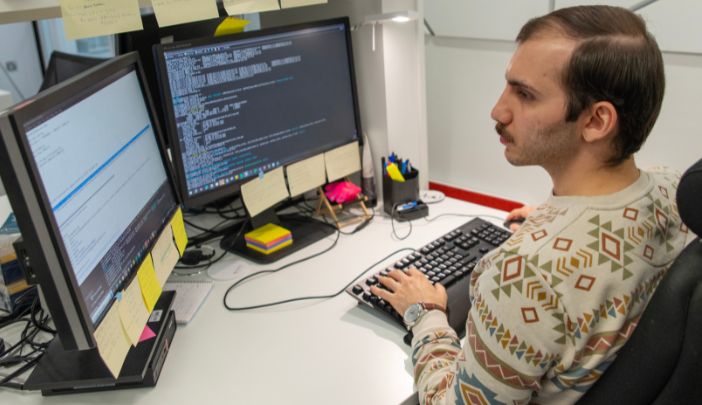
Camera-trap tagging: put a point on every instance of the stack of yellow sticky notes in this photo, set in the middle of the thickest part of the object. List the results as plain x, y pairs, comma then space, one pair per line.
268, 239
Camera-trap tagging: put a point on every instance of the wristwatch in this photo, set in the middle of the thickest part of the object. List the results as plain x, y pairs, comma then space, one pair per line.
414, 312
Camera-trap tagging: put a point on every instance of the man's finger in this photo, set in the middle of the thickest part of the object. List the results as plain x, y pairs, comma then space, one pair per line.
388, 282
384, 294
413, 271
397, 275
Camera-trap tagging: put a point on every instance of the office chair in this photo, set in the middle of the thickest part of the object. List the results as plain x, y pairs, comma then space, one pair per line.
662, 361
65, 65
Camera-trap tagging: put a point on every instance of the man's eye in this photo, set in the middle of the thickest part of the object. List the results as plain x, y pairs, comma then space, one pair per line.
524, 95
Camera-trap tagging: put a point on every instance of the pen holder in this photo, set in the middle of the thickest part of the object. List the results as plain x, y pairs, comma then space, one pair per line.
397, 192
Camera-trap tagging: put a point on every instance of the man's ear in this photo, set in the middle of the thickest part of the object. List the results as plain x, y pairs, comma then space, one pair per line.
600, 121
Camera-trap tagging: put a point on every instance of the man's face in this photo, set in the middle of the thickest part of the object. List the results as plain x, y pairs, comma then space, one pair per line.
530, 113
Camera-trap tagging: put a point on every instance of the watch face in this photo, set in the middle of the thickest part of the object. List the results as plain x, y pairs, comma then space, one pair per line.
411, 314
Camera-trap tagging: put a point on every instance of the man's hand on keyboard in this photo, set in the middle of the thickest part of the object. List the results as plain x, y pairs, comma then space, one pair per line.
405, 289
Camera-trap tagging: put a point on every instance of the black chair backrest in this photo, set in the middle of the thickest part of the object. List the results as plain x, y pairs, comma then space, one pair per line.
63, 66
662, 361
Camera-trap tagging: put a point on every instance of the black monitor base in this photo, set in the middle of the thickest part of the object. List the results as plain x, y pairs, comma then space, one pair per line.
68, 372
305, 231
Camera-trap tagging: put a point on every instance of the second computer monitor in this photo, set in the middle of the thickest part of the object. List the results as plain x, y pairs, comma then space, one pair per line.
244, 104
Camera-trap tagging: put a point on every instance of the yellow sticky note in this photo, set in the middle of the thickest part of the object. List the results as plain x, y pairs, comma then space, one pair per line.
172, 12
342, 161
112, 343
165, 255
179, 234
132, 311
260, 194
92, 18
298, 3
150, 288
306, 175
231, 25
234, 7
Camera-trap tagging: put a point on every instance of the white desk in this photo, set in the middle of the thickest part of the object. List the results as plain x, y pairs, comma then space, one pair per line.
316, 352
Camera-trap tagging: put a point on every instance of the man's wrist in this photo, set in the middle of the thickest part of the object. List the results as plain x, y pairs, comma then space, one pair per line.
414, 313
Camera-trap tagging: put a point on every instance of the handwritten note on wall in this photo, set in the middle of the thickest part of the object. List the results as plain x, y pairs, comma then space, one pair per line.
299, 3
91, 18
172, 12
235, 7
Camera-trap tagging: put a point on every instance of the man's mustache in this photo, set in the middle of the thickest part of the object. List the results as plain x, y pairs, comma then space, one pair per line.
500, 129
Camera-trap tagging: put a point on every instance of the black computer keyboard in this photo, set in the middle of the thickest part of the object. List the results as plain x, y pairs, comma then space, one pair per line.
448, 260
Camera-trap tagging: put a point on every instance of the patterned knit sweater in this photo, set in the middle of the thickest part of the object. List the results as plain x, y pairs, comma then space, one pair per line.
552, 306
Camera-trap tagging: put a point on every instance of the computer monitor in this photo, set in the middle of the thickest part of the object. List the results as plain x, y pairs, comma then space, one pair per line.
63, 66
143, 41
89, 183
244, 104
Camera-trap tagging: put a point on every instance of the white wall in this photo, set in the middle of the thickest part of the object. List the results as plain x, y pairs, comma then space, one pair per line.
466, 76
18, 45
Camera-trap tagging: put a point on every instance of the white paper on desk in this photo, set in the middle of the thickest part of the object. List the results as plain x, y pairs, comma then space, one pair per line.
172, 12
190, 295
165, 255
91, 18
262, 193
235, 7
342, 161
298, 3
306, 174
112, 343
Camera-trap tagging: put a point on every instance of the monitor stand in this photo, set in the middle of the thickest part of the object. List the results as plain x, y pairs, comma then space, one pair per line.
72, 371
305, 231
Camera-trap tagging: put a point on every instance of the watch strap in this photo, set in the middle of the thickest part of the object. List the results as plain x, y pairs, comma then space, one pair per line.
429, 306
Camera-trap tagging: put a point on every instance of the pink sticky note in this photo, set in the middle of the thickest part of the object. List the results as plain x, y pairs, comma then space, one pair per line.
146, 334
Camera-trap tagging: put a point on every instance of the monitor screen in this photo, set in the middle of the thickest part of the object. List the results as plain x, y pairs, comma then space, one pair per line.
93, 158
248, 103
143, 41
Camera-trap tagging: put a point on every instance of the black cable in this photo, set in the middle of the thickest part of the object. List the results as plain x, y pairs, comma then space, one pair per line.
5, 382
226, 294
393, 212
40, 325
209, 263
312, 297
463, 215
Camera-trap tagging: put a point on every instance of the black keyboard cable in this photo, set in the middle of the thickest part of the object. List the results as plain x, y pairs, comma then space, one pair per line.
305, 298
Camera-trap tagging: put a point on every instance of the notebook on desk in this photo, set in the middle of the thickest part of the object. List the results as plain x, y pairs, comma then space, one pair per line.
189, 297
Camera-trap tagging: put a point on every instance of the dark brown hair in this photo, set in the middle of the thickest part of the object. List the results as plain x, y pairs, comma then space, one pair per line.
616, 60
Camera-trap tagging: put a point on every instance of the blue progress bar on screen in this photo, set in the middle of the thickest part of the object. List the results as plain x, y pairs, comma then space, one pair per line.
99, 169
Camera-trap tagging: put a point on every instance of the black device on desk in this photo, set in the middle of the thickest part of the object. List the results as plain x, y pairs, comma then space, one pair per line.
241, 105
89, 183
447, 260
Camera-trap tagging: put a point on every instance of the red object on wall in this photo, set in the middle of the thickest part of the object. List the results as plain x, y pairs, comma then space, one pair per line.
476, 198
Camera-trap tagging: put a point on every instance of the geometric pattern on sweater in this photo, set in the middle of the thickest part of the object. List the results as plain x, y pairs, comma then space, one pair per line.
553, 305
496, 367
471, 391
508, 340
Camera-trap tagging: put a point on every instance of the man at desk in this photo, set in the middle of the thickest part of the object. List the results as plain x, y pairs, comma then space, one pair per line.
552, 306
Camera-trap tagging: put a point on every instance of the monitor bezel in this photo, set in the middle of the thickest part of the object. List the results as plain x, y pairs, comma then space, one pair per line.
26, 111
232, 189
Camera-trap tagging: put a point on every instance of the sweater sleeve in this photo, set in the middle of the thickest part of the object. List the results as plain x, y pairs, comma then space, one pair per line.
510, 341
